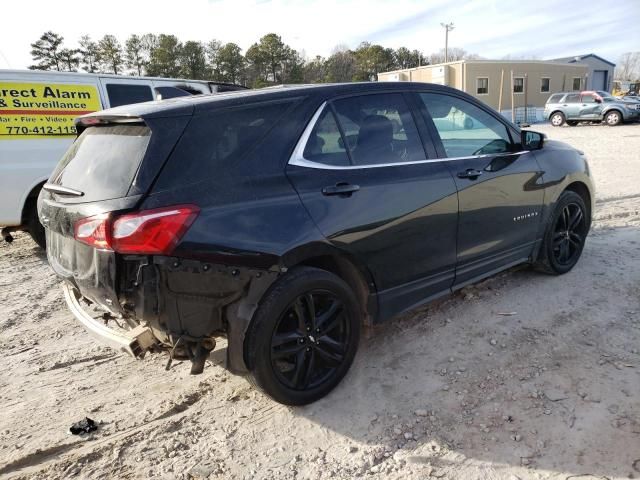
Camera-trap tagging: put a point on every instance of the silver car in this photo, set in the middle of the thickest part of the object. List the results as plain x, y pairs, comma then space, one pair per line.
589, 106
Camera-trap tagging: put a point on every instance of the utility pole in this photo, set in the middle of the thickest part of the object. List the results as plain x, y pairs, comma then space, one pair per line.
447, 28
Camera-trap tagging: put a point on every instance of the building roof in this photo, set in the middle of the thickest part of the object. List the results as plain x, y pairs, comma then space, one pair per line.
577, 58
482, 60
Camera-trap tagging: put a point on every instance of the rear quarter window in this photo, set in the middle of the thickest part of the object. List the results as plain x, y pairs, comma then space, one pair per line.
555, 98
216, 139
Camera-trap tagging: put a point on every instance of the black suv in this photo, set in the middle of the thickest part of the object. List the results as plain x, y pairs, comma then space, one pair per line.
285, 219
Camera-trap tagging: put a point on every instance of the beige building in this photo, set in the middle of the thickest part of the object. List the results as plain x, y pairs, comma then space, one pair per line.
533, 81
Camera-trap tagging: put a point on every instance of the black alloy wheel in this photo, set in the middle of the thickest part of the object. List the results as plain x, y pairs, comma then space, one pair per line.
310, 340
304, 336
566, 234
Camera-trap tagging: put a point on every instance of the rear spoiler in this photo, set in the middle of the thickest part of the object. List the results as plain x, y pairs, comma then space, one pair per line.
92, 120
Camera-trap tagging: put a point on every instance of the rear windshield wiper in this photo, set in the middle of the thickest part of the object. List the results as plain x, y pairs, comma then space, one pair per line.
60, 190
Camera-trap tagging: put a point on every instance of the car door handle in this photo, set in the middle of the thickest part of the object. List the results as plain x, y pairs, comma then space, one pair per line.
471, 173
341, 188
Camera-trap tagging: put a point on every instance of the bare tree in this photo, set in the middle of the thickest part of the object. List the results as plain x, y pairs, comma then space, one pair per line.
628, 67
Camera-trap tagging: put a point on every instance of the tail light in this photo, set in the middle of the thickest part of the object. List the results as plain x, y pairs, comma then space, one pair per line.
152, 232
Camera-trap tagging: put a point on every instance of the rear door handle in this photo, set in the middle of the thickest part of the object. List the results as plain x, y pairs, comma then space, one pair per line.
471, 173
341, 188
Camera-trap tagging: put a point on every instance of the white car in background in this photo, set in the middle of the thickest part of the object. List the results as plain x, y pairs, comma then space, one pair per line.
37, 110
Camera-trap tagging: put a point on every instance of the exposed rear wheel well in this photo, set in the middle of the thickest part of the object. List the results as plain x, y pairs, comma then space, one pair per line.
582, 190
348, 272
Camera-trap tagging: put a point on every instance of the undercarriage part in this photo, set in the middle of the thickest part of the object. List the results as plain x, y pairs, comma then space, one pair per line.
200, 354
196, 351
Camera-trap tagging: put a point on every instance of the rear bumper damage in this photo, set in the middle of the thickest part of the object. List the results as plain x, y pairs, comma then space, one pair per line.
135, 342
178, 305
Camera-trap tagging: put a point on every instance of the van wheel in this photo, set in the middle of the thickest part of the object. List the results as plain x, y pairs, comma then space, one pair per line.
557, 119
565, 236
303, 337
33, 226
613, 118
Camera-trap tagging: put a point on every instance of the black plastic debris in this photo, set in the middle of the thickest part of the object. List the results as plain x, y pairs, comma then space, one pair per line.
86, 425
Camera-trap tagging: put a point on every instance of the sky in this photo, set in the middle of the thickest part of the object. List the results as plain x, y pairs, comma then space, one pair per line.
490, 28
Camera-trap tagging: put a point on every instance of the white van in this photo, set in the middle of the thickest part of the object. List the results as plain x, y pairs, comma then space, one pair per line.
37, 110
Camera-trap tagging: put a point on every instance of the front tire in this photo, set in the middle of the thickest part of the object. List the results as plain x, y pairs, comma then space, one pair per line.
303, 337
565, 235
613, 118
557, 119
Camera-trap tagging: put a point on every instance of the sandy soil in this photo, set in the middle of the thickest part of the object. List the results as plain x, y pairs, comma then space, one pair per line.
454, 390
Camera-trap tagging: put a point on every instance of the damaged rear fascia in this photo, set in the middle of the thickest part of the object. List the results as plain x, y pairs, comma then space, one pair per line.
194, 300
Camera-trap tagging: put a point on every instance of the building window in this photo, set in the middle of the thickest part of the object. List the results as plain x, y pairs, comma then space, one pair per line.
576, 83
518, 85
482, 85
544, 85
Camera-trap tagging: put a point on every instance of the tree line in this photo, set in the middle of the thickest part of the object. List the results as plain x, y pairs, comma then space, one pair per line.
268, 61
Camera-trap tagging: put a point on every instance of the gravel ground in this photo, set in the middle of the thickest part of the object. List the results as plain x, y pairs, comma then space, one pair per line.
524, 376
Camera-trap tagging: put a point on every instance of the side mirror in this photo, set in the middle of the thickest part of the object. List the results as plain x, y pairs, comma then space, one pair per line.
532, 140
598, 100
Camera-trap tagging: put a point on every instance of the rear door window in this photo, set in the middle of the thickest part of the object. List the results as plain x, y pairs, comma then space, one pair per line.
126, 94
379, 129
572, 98
465, 129
325, 144
103, 161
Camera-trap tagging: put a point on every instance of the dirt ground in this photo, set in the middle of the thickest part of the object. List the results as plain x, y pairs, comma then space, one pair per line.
525, 376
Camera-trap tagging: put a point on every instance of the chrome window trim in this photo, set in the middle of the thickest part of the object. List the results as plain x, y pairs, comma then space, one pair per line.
297, 157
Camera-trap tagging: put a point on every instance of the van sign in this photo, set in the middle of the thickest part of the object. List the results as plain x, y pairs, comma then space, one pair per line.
44, 109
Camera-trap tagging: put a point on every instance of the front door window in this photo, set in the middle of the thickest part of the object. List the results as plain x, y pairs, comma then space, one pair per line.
465, 129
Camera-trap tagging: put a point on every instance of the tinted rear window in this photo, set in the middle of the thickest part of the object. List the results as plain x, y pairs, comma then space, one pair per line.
103, 161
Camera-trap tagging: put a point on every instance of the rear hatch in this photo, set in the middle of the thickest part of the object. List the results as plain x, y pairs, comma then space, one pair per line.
107, 171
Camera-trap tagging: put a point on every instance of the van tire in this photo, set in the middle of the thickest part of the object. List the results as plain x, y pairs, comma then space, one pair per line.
32, 224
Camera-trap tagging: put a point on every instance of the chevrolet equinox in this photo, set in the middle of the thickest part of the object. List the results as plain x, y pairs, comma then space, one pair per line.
285, 219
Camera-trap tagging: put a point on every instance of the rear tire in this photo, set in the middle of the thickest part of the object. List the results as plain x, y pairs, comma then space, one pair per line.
557, 119
303, 337
565, 235
613, 118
